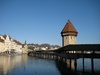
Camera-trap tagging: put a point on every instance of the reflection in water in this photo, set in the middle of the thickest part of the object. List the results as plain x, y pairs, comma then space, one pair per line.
24, 65
8, 63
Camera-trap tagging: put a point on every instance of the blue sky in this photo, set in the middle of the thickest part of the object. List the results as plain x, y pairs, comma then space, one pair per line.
41, 21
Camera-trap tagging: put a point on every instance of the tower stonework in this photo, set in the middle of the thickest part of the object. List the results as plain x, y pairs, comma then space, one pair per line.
69, 34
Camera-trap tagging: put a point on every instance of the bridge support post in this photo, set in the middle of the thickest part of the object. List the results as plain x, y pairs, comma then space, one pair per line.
83, 61
75, 64
70, 63
57, 58
92, 62
65, 61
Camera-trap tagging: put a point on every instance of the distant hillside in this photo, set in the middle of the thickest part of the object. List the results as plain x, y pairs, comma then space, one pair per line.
46, 46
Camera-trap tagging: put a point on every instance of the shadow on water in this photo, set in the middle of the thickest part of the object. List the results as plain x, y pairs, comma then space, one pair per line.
64, 70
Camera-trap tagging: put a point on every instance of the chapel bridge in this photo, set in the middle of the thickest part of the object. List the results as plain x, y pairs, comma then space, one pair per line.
70, 53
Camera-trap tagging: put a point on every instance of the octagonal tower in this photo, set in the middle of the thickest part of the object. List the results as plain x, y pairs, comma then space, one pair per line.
69, 34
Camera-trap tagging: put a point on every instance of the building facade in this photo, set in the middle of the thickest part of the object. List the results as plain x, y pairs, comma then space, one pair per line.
7, 44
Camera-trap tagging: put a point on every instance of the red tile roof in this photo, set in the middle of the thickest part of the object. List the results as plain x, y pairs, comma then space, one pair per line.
69, 28
9, 37
1, 40
4, 36
17, 42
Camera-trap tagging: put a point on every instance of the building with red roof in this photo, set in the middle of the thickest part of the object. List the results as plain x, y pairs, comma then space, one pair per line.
9, 44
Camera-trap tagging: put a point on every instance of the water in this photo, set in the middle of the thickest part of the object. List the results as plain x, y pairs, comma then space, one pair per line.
88, 65
25, 65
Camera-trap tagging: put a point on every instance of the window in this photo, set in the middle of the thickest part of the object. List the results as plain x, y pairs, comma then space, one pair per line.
71, 37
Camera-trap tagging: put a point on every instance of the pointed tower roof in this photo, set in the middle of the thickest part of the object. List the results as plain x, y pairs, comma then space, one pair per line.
25, 42
69, 28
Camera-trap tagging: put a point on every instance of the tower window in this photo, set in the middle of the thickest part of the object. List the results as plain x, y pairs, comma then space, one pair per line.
71, 37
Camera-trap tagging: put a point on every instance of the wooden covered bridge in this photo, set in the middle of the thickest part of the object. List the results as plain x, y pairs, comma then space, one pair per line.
70, 53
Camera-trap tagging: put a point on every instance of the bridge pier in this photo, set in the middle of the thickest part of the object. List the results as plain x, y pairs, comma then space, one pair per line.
83, 60
92, 62
75, 64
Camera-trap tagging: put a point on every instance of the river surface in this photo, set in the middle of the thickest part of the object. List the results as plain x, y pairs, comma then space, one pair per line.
25, 65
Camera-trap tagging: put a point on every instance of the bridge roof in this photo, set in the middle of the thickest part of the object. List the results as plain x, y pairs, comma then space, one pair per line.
80, 47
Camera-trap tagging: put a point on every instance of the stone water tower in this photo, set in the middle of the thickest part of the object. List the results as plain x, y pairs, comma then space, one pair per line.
69, 34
